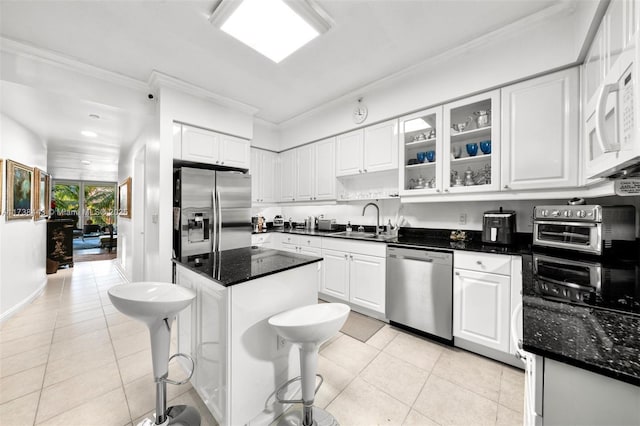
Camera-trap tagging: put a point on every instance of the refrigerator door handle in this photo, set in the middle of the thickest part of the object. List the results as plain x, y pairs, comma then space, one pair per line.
218, 219
214, 244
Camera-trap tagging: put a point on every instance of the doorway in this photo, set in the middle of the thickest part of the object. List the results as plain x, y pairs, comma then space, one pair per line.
92, 207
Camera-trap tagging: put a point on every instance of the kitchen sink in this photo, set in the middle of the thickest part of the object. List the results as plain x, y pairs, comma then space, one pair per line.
362, 235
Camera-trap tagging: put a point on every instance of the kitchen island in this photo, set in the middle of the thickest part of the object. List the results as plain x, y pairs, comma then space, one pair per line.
239, 359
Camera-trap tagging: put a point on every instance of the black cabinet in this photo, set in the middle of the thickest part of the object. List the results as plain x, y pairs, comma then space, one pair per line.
60, 241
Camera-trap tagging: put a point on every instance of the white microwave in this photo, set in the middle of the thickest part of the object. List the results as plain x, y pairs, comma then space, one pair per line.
612, 121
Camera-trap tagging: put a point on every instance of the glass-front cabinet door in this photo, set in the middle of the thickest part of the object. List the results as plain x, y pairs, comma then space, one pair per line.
471, 144
421, 152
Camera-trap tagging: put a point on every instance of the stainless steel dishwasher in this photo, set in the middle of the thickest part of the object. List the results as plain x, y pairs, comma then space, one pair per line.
419, 291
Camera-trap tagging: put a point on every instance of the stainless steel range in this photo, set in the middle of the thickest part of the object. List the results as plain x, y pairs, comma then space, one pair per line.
584, 228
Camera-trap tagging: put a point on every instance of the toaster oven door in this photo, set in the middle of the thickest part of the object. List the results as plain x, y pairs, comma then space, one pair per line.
578, 236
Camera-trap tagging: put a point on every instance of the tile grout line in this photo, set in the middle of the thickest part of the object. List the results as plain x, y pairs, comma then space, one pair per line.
44, 374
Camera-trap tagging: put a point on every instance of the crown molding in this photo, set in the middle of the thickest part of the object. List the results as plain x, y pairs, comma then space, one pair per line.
24, 50
158, 79
561, 8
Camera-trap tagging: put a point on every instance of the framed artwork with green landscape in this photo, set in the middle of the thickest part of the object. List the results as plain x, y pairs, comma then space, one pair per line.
19, 191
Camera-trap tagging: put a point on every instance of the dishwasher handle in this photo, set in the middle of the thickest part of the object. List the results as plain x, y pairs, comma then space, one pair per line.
422, 259
428, 256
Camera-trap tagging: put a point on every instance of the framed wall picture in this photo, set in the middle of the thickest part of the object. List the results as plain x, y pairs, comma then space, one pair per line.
42, 194
19, 191
124, 198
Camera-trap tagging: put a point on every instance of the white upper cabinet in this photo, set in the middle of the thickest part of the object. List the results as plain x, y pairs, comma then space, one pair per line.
206, 146
287, 175
540, 132
381, 147
372, 149
305, 173
471, 144
308, 173
263, 176
325, 169
349, 153
234, 152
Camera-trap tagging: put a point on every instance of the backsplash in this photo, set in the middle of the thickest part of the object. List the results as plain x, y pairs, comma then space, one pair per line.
428, 215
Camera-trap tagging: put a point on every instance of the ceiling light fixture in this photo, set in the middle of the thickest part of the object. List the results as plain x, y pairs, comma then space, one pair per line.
274, 28
89, 134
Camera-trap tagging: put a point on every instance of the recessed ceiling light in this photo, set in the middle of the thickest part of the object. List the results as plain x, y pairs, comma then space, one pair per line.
89, 134
94, 116
274, 28
85, 162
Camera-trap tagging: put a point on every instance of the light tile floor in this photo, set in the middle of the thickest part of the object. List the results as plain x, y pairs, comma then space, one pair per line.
70, 358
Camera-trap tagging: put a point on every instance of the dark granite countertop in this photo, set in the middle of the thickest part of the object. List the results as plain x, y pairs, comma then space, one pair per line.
428, 238
597, 339
230, 267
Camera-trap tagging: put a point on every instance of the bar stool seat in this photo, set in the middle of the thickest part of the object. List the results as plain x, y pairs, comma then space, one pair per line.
156, 304
308, 327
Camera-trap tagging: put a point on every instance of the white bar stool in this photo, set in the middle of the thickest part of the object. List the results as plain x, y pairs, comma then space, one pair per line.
309, 327
156, 304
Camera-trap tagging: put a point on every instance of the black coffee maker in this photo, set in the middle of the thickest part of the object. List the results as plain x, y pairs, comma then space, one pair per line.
499, 227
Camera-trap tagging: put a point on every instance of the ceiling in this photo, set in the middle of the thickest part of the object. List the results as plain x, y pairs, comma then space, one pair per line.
371, 39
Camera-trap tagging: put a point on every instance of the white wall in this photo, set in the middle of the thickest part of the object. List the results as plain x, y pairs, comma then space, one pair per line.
265, 135
507, 56
22, 242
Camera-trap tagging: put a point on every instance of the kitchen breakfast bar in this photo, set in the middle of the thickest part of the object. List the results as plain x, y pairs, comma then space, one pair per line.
239, 359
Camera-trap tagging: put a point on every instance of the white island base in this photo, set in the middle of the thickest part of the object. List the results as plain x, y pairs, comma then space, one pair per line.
239, 360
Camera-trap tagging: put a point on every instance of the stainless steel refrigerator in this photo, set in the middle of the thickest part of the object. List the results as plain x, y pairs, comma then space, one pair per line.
211, 211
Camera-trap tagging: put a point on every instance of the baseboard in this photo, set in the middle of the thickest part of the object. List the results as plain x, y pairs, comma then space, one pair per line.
17, 308
121, 270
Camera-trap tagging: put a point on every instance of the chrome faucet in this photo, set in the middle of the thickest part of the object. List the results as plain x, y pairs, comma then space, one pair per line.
377, 216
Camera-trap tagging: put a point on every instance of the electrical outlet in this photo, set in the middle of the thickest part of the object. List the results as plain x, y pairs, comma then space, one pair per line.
463, 219
280, 342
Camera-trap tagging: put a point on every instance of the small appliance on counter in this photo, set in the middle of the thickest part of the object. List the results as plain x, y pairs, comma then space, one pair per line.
499, 226
278, 221
586, 228
326, 224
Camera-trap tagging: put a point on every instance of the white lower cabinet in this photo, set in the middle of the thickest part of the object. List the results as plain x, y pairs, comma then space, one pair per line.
355, 272
481, 308
336, 274
262, 240
486, 291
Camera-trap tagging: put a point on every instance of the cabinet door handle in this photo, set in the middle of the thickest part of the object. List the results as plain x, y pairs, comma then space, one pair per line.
346, 257
359, 171
222, 162
458, 273
365, 170
437, 190
479, 262
351, 257
446, 190
506, 187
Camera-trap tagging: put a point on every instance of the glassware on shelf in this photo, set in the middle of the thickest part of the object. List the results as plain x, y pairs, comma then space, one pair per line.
468, 178
483, 118
421, 156
472, 149
485, 147
431, 156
